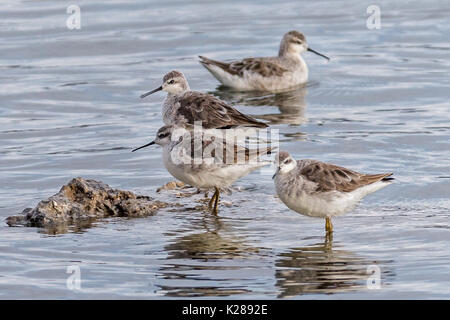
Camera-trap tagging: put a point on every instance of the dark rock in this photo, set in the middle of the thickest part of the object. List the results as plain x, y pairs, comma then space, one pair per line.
82, 200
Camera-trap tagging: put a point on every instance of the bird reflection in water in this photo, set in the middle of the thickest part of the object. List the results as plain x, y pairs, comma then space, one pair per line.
210, 244
199, 264
320, 268
291, 104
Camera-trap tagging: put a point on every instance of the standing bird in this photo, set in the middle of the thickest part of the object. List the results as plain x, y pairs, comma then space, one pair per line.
183, 107
206, 161
268, 73
323, 190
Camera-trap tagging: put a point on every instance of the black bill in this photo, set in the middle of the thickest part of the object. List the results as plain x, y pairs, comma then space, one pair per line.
148, 144
151, 92
313, 51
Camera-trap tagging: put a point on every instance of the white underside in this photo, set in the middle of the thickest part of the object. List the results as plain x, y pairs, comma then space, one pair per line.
328, 204
210, 176
254, 81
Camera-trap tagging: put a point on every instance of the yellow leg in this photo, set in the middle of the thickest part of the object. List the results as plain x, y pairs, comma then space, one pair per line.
213, 198
328, 225
328, 245
216, 203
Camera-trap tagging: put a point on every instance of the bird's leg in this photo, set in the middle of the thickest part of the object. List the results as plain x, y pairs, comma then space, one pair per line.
210, 203
328, 225
217, 201
328, 245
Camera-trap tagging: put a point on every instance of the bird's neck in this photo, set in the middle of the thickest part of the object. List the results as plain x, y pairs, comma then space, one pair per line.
291, 55
179, 92
294, 60
168, 108
288, 52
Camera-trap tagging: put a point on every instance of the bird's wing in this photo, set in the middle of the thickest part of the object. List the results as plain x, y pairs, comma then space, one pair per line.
262, 66
210, 62
213, 112
241, 155
329, 177
218, 150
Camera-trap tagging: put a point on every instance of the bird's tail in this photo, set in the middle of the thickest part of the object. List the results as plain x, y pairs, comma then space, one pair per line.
388, 177
207, 62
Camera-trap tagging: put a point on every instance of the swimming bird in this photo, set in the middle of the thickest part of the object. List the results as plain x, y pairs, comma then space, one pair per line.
286, 70
183, 107
319, 189
206, 161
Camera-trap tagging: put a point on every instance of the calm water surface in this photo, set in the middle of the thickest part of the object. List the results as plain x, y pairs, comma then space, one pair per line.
69, 106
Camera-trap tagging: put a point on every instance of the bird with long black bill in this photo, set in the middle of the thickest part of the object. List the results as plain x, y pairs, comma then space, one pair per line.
284, 71
206, 161
184, 107
323, 190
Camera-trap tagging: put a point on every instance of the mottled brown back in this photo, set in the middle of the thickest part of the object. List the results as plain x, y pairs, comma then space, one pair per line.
262, 66
213, 112
329, 177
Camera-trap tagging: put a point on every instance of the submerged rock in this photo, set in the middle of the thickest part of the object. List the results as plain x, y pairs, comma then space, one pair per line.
82, 200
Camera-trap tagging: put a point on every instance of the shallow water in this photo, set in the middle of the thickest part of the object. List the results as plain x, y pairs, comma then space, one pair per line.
69, 106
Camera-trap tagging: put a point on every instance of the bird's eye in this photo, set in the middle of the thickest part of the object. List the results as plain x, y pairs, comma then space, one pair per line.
171, 81
162, 135
287, 161
298, 42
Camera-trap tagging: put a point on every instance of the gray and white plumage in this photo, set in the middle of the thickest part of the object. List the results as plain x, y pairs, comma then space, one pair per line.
320, 189
286, 70
206, 161
183, 107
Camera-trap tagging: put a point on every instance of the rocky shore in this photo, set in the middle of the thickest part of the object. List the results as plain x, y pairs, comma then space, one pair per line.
81, 200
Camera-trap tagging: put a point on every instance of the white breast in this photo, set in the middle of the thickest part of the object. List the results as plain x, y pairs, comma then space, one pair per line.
208, 176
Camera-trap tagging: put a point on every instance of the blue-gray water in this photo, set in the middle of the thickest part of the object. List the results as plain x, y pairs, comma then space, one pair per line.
69, 106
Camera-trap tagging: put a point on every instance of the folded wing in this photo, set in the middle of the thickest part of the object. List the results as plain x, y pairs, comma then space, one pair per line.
329, 177
262, 66
213, 112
